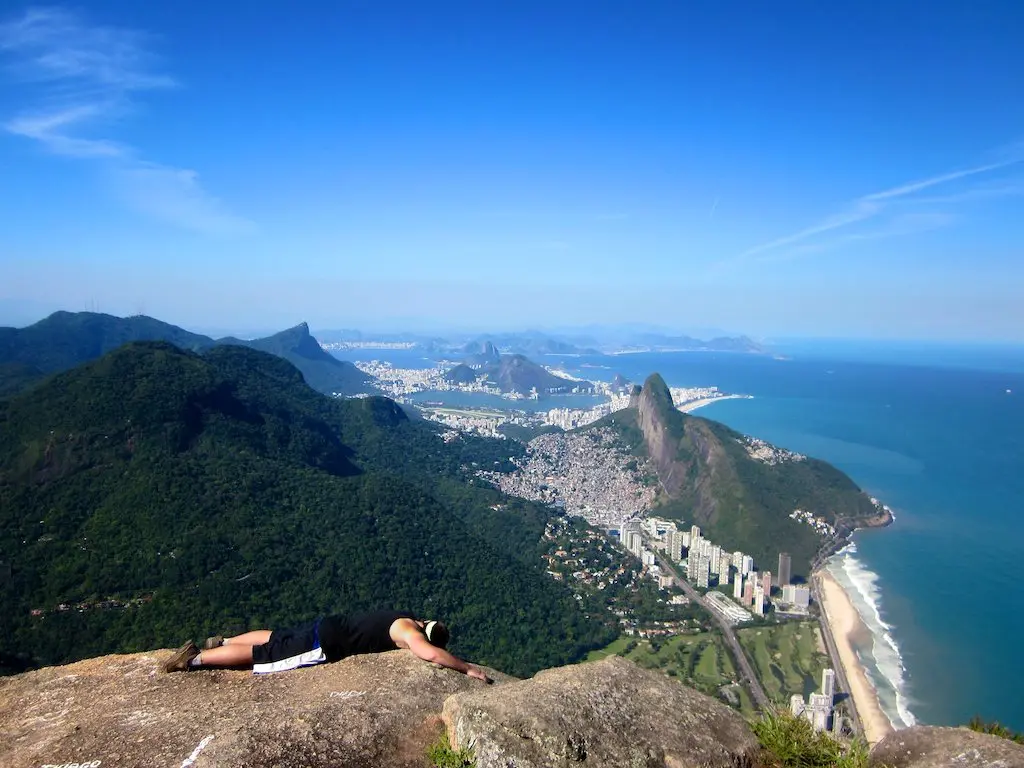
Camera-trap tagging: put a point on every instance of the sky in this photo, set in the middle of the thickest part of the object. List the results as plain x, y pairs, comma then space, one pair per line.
840, 169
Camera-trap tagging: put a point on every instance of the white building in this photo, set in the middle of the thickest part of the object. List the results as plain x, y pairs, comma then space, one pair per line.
737, 587
724, 562
818, 709
828, 684
715, 559
703, 571
796, 595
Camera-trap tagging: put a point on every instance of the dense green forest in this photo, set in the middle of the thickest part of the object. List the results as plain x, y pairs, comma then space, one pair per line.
157, 494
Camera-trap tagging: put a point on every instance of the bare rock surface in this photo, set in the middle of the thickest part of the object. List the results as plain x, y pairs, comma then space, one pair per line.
928, 747
606, 713
379, 710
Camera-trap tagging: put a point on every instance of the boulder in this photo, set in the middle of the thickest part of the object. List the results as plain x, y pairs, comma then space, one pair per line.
606, 713
928, 747
378, 710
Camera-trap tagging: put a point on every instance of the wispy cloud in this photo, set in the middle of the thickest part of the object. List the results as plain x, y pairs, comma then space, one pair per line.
81, 79
887, 210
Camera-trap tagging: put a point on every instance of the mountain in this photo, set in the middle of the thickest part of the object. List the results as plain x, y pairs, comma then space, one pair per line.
461, 374
515, 373
740, 493
155, 489
66, 339
656, 342
322, 371
531, 343
480, 353
621, 384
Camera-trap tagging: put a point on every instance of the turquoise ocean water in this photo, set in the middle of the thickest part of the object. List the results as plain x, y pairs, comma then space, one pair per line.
936, 433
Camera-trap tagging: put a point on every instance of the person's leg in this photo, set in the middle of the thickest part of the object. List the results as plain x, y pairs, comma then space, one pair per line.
234, 655
256, 637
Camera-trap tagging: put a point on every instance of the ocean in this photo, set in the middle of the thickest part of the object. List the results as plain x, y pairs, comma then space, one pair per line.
937, 433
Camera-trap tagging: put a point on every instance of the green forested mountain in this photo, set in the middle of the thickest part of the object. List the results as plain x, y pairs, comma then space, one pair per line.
156, 494
66, 339
708, 476
322, 371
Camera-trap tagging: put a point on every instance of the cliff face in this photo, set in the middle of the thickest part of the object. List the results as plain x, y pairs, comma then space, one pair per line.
742, 492
690, 460
384, 710
361, 712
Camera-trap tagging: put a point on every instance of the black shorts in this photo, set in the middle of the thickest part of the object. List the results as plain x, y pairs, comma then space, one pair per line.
288, 649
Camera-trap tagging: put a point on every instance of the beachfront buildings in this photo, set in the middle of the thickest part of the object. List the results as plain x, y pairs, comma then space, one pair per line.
708, 564
796, 596
818, 708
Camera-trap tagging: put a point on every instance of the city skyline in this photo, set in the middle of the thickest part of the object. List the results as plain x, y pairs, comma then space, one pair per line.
811, 171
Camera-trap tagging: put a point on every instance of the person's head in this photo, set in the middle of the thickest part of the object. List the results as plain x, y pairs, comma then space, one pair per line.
437, 633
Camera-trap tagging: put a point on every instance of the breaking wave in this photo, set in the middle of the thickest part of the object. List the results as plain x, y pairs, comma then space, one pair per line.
883, 663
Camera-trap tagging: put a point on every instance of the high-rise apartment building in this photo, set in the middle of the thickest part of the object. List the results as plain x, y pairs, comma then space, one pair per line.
785, 565
703, 571
737, 586
675, 545
796, 594
725, 559
715, 559
828, 684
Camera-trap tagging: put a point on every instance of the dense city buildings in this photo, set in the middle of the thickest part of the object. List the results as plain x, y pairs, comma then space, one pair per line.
585, 473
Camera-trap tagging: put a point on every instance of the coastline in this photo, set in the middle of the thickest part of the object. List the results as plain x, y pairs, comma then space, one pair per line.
843, 622
693, 405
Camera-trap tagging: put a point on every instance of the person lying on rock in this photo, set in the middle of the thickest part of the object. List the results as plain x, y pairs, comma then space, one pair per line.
327, 639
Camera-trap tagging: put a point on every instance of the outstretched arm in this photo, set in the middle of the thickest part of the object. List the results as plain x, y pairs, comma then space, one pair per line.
419, 645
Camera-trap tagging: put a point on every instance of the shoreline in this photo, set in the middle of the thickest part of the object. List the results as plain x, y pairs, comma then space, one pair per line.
693, 405
843, 621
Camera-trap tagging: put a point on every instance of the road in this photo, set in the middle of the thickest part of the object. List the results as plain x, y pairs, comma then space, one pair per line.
746, 670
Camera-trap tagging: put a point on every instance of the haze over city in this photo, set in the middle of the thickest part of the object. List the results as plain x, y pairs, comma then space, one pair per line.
794, 169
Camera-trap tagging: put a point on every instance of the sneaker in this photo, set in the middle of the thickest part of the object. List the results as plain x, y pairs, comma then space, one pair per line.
213, 642
181, 658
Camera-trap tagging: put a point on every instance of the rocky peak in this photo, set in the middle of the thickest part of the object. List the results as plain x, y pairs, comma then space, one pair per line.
386, 709
378, 710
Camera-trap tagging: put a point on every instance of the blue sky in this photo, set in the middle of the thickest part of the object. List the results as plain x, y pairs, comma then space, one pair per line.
789, 168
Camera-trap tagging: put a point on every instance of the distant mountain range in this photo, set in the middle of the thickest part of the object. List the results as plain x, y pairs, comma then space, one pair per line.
537, 343
67, 339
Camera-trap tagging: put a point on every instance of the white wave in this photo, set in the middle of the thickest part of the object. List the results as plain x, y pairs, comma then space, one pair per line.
885, 667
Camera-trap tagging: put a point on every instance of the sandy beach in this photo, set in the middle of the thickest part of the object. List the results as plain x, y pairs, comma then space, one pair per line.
693, 405
843, 619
